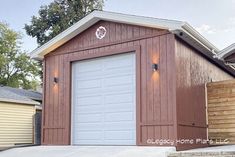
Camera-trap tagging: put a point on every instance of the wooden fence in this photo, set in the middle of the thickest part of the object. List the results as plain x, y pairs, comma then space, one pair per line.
221, 112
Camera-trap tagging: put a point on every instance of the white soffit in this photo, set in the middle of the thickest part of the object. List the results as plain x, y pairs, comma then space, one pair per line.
226, 52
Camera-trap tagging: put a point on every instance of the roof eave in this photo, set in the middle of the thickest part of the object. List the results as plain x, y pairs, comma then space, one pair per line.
90, 19
19, 101
196, 40
226, 52
63, 37
199, 38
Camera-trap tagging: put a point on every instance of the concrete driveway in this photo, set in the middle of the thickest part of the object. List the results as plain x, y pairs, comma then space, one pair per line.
87, 151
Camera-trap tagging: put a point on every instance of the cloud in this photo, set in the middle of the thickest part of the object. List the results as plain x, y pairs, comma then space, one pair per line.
233, 1
228, 26
204, 28
232, 20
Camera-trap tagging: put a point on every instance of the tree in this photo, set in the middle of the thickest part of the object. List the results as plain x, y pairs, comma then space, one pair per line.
16, 67
58, 16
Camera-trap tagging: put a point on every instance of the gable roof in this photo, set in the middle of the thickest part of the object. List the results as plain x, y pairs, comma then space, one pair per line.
7, 95
181, 29
95, 16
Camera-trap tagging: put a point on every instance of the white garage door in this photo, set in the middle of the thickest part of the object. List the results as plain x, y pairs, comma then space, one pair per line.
104, 101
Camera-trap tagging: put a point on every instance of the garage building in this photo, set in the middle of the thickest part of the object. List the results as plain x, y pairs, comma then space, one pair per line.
117, 79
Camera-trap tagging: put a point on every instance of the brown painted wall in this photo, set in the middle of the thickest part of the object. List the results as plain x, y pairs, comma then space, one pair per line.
155, 114
179, 80
193, 71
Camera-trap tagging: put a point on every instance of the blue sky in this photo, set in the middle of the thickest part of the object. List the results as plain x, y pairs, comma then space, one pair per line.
214, 19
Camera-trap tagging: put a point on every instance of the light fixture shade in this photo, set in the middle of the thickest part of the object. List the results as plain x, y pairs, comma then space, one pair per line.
55, 80
155, 67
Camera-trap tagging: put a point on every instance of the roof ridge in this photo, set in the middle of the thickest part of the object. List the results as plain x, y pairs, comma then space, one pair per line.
140, 16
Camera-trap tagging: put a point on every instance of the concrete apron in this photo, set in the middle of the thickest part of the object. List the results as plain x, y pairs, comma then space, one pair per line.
88, 151
214, 151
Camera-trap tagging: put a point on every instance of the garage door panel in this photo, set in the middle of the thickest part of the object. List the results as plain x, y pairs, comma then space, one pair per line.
107, 73
88, 76
104, 105
118, 72
118, 80
118, 89
119, 135
119, 116
119, 142
82, 109
88, 66
89, 127
89, 135
87, 84
122, 60
108, 88
92, 117
88, 92
94, 100
126, 125
119, 107
119, 98
89, 141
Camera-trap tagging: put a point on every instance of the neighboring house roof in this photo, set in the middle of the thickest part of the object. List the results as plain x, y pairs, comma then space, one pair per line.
7, 95
226, 52
181, 29
34, 95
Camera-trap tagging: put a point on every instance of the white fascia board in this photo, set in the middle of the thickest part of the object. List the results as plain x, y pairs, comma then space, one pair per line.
63, 37
199, 38
226, 52
171, 25
138, 20
96, 16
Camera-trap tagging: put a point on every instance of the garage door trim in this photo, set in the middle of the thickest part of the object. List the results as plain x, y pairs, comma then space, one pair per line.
136, 50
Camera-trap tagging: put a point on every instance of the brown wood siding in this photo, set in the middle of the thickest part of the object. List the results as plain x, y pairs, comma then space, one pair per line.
156, 118
221, 110
192, 72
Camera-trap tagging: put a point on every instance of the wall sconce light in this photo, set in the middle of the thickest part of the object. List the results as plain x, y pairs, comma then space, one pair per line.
55, 80
155, 67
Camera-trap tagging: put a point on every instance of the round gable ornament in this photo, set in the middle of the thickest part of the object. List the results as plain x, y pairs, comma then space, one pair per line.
100, 32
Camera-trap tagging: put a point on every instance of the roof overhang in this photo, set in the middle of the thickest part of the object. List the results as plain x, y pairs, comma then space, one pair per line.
226, 52
96, 16
19, 101
92, 18
181, 29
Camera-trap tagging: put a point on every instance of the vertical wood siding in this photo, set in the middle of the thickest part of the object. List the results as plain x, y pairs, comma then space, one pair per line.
172, 100
16, 124
157, 94
193, 71
221, 110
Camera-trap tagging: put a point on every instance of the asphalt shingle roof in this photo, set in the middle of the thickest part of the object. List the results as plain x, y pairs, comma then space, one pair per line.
34, 95
19, 95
